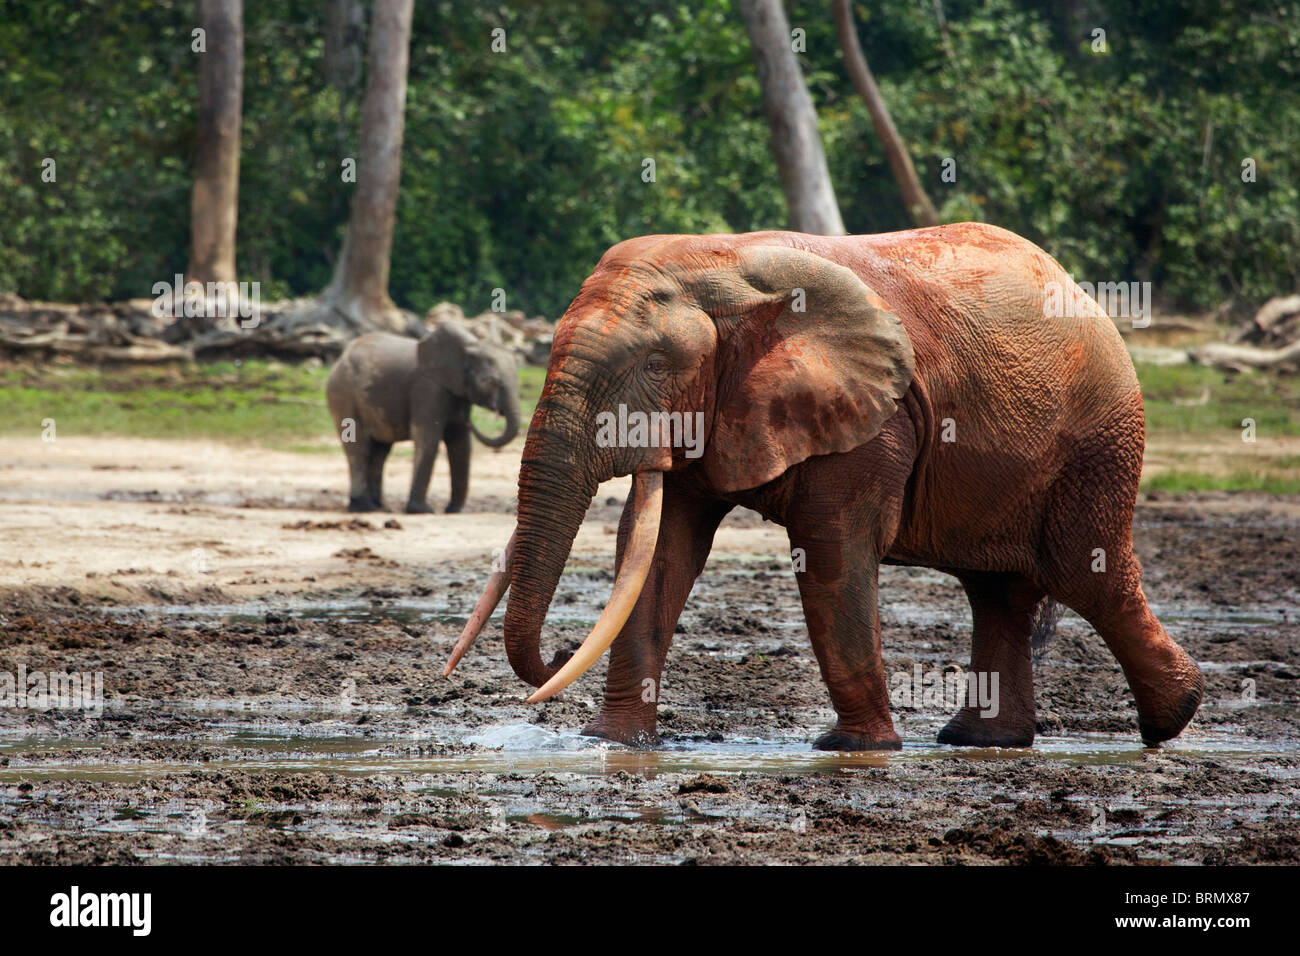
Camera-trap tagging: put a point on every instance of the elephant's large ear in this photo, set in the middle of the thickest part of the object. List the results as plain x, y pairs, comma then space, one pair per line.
810, 362
442, 354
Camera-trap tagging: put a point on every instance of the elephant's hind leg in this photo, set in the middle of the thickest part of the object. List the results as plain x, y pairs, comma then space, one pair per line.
1166, 683
1000, 711
375, 471
358, 455
1088, 565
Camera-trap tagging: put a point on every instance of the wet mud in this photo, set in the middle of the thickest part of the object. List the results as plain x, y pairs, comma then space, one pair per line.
311, 725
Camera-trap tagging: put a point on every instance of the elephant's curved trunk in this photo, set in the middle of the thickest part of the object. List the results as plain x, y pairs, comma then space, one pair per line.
647, 507
509, 405
558, 477
553, 500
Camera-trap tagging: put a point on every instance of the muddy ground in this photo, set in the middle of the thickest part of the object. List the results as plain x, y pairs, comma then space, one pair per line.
272, 692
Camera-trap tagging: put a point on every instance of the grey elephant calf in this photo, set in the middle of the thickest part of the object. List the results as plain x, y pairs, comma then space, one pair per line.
389, 388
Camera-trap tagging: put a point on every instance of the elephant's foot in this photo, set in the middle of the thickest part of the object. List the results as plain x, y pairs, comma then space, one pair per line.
418, 508
846, 738
363, 503
969, 729
1166, 710
454, 508
632, 733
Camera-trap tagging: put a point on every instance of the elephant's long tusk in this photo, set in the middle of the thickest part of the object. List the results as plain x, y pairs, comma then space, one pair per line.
497, 584
647, 506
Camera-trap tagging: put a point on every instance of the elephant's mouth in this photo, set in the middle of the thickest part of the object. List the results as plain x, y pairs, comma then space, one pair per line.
647, 509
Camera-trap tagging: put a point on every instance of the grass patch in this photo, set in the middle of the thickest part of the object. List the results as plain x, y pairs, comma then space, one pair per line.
280, 405
1178, 481
1271, 401
261, 402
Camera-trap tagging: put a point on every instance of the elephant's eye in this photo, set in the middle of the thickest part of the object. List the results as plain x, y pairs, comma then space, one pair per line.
657, 366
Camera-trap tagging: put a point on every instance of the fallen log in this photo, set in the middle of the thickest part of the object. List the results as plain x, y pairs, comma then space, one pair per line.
1238, 357
1276, 324
1157, 355
142, 352
297, 328
1274, 310
39, 340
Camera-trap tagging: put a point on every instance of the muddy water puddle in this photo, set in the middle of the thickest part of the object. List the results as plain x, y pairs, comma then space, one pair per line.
526, 748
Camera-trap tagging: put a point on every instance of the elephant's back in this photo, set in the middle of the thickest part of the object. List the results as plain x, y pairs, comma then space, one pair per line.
374, 374
988, 355
376, 349
378, 360
978, 303
976, 294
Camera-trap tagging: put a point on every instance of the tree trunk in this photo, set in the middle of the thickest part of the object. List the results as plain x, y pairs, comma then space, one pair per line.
359, 289
215, 201
796, 143
918, 203
345, 36
345, 27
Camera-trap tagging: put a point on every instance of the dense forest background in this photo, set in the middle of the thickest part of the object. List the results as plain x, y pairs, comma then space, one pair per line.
521, 168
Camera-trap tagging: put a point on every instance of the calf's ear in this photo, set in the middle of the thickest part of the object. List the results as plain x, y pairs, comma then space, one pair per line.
442, 353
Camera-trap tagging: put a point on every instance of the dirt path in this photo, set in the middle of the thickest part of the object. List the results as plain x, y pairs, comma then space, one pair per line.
134, 520
270, 673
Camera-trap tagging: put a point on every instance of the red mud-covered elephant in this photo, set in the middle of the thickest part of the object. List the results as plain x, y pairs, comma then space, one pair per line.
902, 398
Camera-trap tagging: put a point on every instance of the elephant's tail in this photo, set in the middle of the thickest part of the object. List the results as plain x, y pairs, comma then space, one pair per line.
1046, 615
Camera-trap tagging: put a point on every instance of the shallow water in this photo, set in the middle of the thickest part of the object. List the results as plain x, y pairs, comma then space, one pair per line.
526, 748
264, 735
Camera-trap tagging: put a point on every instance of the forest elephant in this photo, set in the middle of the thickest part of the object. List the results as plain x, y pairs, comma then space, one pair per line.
388, 388
910, 398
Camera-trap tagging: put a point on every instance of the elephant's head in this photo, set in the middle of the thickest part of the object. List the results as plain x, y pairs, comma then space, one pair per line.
779, 353
480, 372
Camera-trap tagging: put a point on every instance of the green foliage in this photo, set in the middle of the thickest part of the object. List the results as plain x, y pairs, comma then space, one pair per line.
1102, 158
521, 168
102, 89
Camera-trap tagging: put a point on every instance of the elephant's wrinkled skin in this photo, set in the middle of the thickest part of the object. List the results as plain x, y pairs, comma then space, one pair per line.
388, 388
920, 410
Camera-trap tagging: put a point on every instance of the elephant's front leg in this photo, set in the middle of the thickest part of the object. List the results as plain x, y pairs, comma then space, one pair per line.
456, 438
427, 436
838, 587
633, 686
